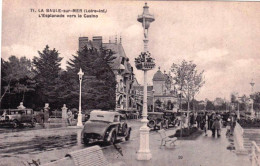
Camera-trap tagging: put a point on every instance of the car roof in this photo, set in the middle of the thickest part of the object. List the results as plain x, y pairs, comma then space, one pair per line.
107, 116
17, 109
169, 111
155, 113
104, 112
124, 110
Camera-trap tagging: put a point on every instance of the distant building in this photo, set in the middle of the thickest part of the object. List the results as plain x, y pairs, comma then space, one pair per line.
165, 96
161, 95
121, 68
218, 101
138, 96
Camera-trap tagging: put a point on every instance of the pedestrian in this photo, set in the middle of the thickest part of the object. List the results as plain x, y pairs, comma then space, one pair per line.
216, 127
212, 119
205, 128
42, 118
232, 123
228, 124
199, 121
205, 123
192, 119
69, 119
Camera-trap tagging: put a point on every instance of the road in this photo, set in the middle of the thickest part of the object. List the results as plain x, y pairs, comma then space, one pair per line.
19, 146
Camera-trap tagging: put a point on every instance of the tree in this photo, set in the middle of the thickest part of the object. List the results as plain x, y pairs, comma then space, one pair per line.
210, 105
234, 97
98, 84
47, 69
17, 78
256, 98
188, 79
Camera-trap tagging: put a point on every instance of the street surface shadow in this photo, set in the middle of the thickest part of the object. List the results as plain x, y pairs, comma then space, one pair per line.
38, 144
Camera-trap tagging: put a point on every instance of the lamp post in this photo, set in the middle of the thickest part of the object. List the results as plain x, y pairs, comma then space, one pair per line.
238, 113
252, 100
153, 99
80, 81
145, 62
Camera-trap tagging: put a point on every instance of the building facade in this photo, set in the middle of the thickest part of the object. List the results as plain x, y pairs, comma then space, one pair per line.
161, 95
121, 67
165, 95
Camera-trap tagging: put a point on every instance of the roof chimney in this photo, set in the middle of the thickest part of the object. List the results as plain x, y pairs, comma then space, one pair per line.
116, 39
83, 41
97, 42
120, 41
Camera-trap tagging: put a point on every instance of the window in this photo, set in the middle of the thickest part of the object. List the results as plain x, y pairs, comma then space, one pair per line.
123, 60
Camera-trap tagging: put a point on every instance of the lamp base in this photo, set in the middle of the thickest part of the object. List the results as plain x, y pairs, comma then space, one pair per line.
80, 120
144, 151
144, 156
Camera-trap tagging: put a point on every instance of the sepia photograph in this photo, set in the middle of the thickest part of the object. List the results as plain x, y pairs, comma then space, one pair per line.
130, 83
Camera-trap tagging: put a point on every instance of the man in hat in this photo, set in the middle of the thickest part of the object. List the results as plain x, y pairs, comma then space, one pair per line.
216, 127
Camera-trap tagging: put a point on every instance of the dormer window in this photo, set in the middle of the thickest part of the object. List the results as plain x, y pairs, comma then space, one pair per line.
123, 61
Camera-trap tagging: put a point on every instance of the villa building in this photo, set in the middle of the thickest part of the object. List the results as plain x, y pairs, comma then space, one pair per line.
121, 67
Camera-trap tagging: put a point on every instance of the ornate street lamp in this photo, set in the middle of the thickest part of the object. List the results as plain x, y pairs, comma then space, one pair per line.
145, 62
80, 81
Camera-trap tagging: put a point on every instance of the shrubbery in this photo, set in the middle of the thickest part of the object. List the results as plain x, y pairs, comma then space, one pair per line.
249, 123
185, 132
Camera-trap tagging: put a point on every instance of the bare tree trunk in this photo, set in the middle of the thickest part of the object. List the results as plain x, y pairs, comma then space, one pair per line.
23, 96
23, 93
193, 101
5, 91
181, 101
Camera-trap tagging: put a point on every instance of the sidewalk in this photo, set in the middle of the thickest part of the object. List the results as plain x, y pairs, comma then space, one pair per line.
205, 151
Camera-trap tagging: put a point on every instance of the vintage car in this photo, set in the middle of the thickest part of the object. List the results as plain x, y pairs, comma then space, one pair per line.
171, 116
17, 117
105, 126
157, 120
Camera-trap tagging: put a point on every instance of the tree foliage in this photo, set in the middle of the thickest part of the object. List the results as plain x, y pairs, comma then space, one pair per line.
98, 84
17, 78
188, 79
47, 69
210, 106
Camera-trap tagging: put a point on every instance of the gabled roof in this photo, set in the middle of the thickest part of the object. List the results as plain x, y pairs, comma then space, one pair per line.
119, 53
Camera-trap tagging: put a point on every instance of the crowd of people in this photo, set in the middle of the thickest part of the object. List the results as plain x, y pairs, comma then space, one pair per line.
214, 121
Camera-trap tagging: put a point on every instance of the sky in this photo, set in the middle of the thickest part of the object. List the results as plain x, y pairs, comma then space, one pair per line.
221, 38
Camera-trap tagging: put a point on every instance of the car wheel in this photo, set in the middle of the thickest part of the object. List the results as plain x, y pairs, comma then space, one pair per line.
85, 141
124, 130
127, 138
15, 124
151, 124
113, 138
33, 123
160, 127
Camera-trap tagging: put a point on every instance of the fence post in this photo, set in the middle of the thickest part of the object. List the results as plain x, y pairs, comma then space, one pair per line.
64, 112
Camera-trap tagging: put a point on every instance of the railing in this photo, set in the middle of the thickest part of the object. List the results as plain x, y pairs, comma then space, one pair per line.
239, 137
255, 154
